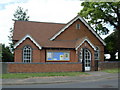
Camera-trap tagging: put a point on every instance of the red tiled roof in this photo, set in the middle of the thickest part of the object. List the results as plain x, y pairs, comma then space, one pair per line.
41, 32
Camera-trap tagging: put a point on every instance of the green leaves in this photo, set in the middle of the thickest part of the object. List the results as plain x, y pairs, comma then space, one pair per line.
20, 14
7, 56
111, 44
100, 14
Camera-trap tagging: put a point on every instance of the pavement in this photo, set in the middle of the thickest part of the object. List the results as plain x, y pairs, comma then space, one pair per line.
93, 76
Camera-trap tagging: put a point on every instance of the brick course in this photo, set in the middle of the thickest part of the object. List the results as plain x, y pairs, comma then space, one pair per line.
108, 65
43, 67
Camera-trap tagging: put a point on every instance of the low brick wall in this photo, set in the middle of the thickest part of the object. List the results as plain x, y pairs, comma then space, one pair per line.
43, 67
109, 65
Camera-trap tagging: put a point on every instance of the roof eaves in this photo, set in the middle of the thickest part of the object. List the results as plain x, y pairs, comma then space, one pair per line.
24, 38
40, 22
88, 42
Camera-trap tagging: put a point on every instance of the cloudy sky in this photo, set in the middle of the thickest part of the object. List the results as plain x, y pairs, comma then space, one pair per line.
59, 11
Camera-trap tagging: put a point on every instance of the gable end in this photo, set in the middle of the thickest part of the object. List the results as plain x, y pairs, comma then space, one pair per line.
88, 42
24, 38
71, 22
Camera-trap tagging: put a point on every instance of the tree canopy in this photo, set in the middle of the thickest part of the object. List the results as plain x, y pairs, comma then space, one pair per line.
111, 45
7, 56
101, 14
20, 14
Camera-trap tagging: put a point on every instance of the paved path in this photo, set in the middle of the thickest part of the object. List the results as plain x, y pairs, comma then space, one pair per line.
93, 76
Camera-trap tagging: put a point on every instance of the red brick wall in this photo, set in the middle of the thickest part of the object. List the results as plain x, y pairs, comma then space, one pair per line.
37, 54
72, 33
43, 67
109, 65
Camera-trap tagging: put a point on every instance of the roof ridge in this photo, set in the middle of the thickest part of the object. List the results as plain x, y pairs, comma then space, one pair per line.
41, 22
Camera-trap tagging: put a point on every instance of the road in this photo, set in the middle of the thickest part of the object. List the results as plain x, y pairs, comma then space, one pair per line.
107, 83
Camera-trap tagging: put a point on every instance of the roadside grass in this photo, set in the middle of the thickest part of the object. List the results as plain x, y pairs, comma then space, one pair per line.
0, 76
115, 70
29, 75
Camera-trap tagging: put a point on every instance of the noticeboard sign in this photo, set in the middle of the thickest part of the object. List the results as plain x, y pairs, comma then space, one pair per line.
58, 56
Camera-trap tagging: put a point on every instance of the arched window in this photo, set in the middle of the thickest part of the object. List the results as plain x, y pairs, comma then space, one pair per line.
97, 53
27, 54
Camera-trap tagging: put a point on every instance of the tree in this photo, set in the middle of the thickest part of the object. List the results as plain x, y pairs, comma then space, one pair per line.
111, 45
19, 14
7, 56
101, 14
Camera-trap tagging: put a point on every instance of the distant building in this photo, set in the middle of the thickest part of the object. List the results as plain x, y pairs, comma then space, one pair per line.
116, 55
107, 56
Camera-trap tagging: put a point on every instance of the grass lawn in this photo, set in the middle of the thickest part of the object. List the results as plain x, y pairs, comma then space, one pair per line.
28, 75
115, 70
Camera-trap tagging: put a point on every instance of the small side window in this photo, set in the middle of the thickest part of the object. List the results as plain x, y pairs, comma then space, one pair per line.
77, 26
97, 53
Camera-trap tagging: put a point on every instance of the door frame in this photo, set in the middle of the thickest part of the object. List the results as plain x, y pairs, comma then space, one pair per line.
83, 59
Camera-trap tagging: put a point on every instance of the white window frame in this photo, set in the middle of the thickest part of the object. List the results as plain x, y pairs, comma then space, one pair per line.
97, 53
27, 54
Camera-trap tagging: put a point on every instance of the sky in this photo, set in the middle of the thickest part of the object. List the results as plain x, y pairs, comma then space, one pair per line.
57, 11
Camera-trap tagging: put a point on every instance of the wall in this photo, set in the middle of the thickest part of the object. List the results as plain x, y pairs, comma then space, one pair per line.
35, 52
13, 67
43, 67
71, 33
108, 65
38, 56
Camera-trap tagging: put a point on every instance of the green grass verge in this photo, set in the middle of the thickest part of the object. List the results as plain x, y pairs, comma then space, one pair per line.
28, 75
115, 70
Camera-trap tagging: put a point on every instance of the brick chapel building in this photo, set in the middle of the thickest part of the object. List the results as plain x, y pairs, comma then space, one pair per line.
55, 47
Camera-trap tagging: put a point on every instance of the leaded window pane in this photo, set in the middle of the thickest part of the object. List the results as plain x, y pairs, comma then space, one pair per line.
27, 52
